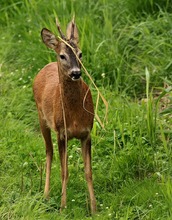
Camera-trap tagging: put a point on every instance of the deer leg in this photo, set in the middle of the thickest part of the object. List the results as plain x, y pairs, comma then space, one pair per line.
64, 170
86, 153
49, 154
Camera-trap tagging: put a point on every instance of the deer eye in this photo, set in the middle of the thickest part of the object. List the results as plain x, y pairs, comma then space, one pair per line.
62, 57
80, 55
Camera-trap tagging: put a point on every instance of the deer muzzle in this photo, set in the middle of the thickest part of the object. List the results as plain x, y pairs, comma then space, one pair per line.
75, 75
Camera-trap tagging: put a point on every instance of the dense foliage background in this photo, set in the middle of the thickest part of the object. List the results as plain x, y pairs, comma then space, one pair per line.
127, 47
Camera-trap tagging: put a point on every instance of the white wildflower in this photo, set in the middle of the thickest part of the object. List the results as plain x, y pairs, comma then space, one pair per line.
103, 75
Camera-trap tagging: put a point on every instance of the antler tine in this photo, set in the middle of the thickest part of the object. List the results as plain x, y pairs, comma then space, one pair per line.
73, 27
73, 18
59, 29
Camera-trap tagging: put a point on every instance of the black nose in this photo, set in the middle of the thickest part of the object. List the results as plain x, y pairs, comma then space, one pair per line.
75, 75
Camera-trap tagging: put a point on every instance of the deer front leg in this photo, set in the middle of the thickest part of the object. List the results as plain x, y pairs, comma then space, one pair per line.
64, 170
49, 154
86, 153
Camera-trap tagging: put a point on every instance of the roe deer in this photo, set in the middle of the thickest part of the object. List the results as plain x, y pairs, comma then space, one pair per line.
64, 104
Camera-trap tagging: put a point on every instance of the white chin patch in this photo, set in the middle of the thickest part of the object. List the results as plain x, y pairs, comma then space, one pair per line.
75, 79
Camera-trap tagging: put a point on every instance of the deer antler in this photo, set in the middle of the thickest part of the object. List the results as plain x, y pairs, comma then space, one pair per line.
59, 29
73, 27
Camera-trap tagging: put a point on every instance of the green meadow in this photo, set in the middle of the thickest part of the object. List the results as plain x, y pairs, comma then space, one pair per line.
127, 50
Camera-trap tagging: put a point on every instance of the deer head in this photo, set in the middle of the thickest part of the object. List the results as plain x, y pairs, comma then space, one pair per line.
68, 62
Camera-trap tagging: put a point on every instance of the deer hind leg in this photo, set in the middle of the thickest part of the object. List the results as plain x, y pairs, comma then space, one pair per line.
86, 153
64, 170
46, 132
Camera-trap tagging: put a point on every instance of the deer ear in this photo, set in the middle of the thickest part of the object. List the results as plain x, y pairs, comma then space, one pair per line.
72, 31
49, 39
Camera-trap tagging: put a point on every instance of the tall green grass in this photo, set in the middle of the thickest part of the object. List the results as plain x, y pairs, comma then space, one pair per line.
132, 157
124, 44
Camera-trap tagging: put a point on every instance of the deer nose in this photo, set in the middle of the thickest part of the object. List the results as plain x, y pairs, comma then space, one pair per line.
75, 75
